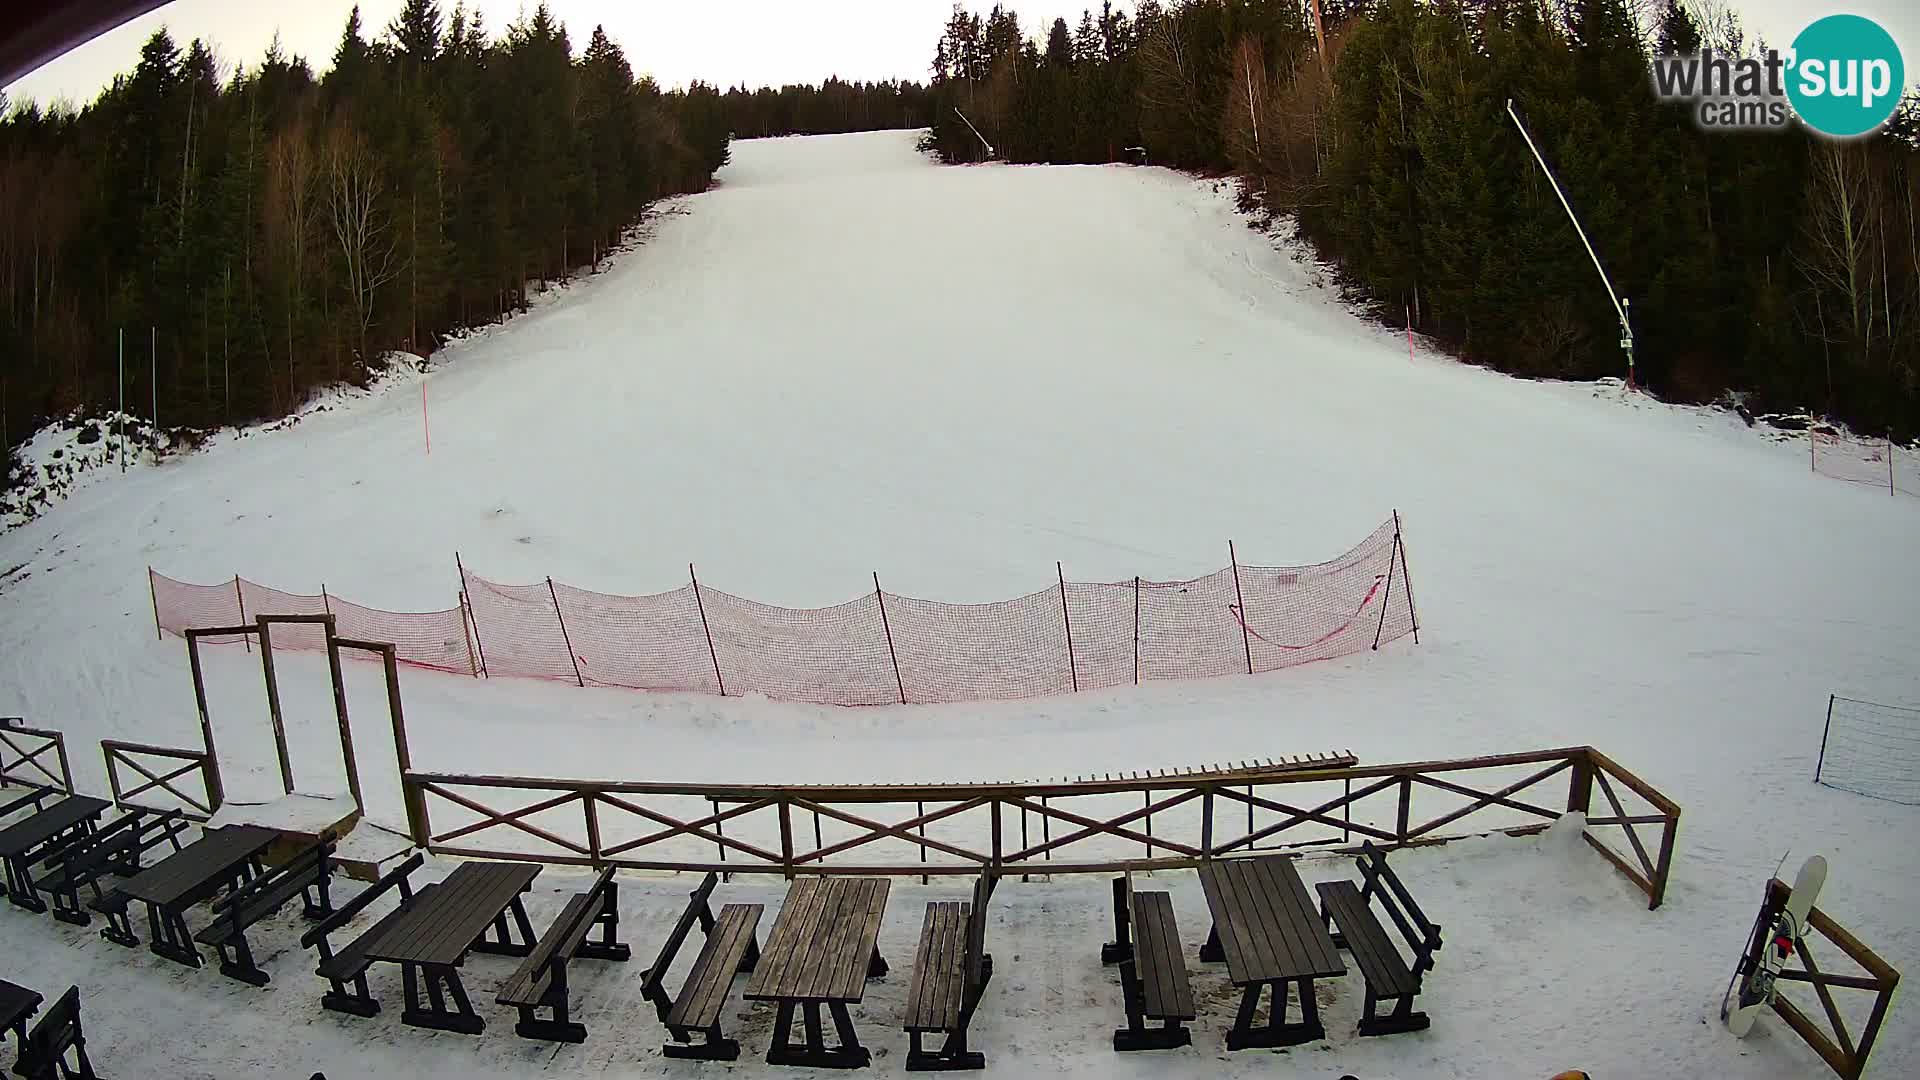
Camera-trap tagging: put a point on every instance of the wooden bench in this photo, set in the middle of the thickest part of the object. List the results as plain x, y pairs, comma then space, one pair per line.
950, 973
349, 965
17, 1006
306, 875
43, 1055
1153, 971
729, 950
115, 849
1388, 975
541, 981
35, 796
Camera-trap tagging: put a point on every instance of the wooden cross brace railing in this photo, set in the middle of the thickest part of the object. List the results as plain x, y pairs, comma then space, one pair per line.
879, 831
676, 827
1835, 1043
50, 740
122, 753
510, 818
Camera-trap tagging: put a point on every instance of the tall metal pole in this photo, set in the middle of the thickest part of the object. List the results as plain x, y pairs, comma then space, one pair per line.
1620, 307
153, 371
1821, 761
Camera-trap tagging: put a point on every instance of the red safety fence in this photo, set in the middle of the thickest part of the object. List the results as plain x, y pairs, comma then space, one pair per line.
880, 648
1880, 463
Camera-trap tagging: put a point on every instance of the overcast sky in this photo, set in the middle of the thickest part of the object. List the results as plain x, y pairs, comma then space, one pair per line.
721, 41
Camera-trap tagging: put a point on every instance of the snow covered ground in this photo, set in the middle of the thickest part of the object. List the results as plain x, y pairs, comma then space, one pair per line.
844, 359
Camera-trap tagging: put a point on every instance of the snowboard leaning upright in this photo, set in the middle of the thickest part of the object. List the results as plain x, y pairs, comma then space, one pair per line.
1776, 934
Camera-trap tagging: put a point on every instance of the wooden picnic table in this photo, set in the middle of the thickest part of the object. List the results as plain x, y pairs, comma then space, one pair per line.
23, 841
1266, 929
221, 859
822, 951
432, 936
17, 1006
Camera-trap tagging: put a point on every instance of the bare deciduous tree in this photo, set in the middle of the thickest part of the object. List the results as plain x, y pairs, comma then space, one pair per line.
1839, 232
356, 210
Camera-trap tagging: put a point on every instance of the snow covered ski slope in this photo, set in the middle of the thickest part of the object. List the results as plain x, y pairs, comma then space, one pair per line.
844, 359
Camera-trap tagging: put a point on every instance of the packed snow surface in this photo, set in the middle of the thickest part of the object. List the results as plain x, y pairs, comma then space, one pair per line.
844, 359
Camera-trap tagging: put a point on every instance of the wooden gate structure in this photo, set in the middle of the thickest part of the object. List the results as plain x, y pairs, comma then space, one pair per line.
1083, 826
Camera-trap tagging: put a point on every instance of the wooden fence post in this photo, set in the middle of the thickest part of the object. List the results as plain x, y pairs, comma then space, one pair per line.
708, 630
340, 714
215, 793
880, 598
1073, 668
273, 704
1246, 642
1580, 786
409, 791
565, 638
472, 617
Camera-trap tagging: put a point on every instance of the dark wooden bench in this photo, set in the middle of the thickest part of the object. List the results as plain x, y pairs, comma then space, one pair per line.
17, 1006
729, 950
35, 796
43, 1055
306, 876
349, 965
950, 973
1388, 975
1153, 971
115, 849
541, 981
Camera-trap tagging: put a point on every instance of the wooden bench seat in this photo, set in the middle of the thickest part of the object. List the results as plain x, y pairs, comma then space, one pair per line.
951, 970
350, 964
730, 949
1387, 973
541, 980
113, 850
306, 876
43, 1055
1153, 970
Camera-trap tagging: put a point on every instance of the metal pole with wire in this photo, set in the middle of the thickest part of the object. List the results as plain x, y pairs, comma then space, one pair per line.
1621, 306
991, 153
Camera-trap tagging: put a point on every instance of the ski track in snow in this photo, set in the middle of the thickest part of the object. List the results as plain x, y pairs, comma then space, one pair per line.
844, 360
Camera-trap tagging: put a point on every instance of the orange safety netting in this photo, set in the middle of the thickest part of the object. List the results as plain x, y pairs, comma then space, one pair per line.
879, 648
1880, 463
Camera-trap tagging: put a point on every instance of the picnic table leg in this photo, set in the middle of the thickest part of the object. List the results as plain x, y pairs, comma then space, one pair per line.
20, 885
240, 965
119, 928
66, 905
1211, 952
170, 937
877, 966
503, 943
1241, 1034
460, 1019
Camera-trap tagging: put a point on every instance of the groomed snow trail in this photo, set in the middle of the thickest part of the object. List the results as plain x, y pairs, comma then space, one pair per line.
844, 359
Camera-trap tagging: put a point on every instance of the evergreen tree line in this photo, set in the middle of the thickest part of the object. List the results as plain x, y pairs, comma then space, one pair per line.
832, 108
1777, 265
278, 231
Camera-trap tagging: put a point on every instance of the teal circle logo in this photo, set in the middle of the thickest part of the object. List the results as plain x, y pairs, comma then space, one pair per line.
1846, 77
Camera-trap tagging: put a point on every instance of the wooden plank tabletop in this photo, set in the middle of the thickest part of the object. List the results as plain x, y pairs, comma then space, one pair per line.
821, 943
439, 927
198, 870
23, 836
1267, 924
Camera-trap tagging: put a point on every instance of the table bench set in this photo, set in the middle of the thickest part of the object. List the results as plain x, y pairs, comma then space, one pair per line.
1274, 943
818, 958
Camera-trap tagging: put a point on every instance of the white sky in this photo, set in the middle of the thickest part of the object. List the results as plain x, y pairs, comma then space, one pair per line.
758, 42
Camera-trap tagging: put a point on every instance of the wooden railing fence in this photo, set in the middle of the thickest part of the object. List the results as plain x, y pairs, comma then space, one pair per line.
170, 778
27, 747
1832, 1039
1085, 826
